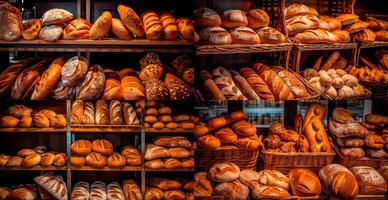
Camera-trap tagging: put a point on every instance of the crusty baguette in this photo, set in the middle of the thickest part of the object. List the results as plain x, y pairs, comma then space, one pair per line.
317, 63
257, 84
211, 86
330, 61
244, 86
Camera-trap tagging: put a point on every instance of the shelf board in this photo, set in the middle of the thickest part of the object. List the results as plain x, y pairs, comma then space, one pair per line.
333, 46
240, 48
32, 130
106, 128
374, 44
104, 45
170, 170
35, 168
125, 169
166, 130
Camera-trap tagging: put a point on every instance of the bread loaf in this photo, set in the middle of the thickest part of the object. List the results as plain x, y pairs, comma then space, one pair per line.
129, 115
263, 192
131, 190
177, 88
48, 80
153, 193
167, 141
315, 36
341, 36
131, 20
50, 33
296, 86
112, 90
47, 159
269, 35
376, 119
88, 116
274, 82
365, 35
340, 130
329, 23
53, 185
102, 146
208, 142
56, 16
170, 28
132, 155
152, 71
299, 9
155, 152
9, 75
382, 35
132, 88
347, 19
234, 19
257, 84
369, 180
77, 112
31, 29
12, 22
77, 29
225, 83
244, 35
206, 17
96, 160
257, 18
224, 172
164, 184
211, 86
304, 183
116, 160
93, 84
152, 25
81, 147
119, 30
156, 90
301, 23
233, 190
186, 28
74, 71
215, 35
115, 113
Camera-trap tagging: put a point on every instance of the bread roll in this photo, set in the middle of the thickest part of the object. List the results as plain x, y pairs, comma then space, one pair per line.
25, 192
153, 71
226, 135
244, 35
131, 20
31, 29
119, 30
25, 122
9, 121
347, 19
12, 18
269, 35
206, 17
59, 159
352, 152
153, 193
299, 9
172, 163
263, 192
47, 159
59, 121
132, 155
233, 190
365, 35
234, 19
14, 161
174, 195
154, 152
154, 164
56, 16
156, 90
164, 184
81, 147
188, 163
102, 146
251, 142
208, 142
158, 125
215, 35
74, 71
50, 33
304, 183
329, 23
224, 172
186, 28
316, 36
77, 29
32, 160
96, 160
178, 152
244, 128
341, 36
301, 23
376, 119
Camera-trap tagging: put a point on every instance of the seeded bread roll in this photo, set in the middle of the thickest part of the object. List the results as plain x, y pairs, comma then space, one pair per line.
156, 90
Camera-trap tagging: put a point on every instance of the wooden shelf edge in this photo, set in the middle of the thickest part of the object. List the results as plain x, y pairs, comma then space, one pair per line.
32, 130
316, 47
166, 130
170, 170
35, 168
125, 169
374, 44
240, 49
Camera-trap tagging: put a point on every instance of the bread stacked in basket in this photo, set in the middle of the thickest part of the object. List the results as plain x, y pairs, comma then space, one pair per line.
372, 72
236, 27
169, 152
163, 188
260, 82
37, 157
99, 153
355, 139
24, 117
379, 27
100, 190
58, 24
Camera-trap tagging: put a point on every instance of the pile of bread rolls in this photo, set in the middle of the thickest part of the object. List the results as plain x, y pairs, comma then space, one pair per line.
169, 152
259, 82
229, 131
379, 27
29, 158
371, 72
116, 113
356, 140
100, 190
227, 180
159, 116
163, 188
305, 25
25, 117
57, 23
236, 27
331, 78
99, 153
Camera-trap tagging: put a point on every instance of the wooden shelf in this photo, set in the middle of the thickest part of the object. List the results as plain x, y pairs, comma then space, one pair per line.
166, 130
374, 44
239, 48
105, 45
170, 170
126, 168
315, 47
32, 130
35, 168
105, 128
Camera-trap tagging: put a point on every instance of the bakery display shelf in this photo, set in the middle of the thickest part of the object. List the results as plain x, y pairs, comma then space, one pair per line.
333, 46
35, 168
105, 45
166, 130
374, 44
240, 48
170, 170
371, 197
32, 130
105, 128
124, 169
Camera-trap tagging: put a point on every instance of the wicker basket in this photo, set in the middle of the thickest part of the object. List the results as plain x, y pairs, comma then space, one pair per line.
245, 159
285, 162
365, 161
242, 48
379, 90
314, 93
367, 94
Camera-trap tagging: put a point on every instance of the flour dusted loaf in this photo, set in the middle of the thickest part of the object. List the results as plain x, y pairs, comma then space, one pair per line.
369, 180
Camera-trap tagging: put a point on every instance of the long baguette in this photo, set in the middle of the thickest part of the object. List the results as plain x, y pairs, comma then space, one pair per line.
330, 61
244, 86
257, 83
211, 86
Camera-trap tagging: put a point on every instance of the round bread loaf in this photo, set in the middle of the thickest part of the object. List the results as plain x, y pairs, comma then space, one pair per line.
208, 142
304, 183
102, 146
172, 163
25, 122
244, 128
25, 152
9, 121
60, 159
47, 159
257, 18
96, 160
81, 147
14, 161
32, 160
116, 161
132, 155
77, 161
224, 172
233, 19
244, 35
234, 190
77, 29
154, 164
226, 135
31, 29
56, 16
206, 17
74, 71
215, 36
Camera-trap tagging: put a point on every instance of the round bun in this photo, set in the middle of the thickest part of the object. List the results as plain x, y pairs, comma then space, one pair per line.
216, 122
81, 147
102, 146
116, 161
165, 118
77, 161
226, 135
152, 111
171, 125
150, 119
32, 160
187, 125
60, 159
251, 142
14, 161
208, 142
165, 110
9, 121
224, 172
200, 130
158, 125
96, 160
237, 115
25, 122
244, 128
